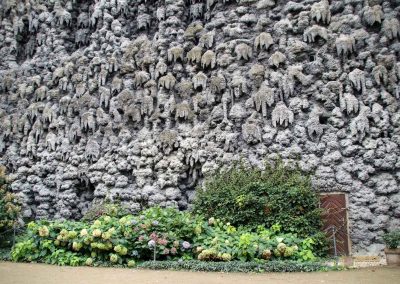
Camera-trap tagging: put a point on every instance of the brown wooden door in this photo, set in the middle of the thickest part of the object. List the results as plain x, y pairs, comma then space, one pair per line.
334, 216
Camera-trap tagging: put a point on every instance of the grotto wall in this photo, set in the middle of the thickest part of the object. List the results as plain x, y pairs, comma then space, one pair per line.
139, 100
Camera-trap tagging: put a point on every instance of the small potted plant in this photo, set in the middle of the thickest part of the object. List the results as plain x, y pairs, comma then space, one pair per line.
392, 250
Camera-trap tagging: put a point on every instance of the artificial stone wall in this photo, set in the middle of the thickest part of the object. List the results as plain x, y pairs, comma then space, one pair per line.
139, 100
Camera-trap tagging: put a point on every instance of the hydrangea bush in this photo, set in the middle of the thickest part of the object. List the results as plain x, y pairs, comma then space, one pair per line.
156, 233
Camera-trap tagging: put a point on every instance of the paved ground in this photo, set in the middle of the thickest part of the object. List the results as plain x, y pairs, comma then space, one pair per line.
23, 273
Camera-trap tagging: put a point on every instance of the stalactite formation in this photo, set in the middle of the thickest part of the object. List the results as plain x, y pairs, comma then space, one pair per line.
158, 93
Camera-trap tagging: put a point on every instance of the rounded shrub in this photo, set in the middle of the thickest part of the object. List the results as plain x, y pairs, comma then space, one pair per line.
279, 194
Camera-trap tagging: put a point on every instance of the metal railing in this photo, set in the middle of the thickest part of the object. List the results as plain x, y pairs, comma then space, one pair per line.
331, 233
15, 229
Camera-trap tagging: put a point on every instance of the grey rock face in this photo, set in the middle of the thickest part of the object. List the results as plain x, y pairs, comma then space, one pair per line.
140, 100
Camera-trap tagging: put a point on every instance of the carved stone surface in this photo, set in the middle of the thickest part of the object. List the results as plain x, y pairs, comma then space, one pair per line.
139, 100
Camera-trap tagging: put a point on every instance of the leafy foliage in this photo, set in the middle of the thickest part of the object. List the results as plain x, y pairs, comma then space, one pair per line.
251, 197
219, 241
10, 209
164, 234
392, 239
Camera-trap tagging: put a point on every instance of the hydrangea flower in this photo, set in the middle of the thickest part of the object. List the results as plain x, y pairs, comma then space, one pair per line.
173, 250
186, 245
106, 236
123, 220
31, 225
113, 258
89, 261
198, 230
155, 223
64, 232
43, 231
131, 263
280, 249
72, 234
134, 222
84, 232
266, 254
76, 246
96, 233
121, 250
289, 251
162, 242
151, 243
226, 257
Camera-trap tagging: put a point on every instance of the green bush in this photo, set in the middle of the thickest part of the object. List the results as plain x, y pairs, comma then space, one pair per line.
392, 239
10, 209
167, 234
251, 197
238, 266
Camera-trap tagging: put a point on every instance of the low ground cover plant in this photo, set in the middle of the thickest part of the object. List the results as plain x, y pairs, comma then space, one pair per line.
239, 266
157, 233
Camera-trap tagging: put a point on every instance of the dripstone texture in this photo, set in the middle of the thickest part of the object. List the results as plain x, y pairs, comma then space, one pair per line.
139, 100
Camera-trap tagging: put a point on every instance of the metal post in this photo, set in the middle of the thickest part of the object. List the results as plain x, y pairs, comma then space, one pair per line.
154, 259
13, 240
334, 244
